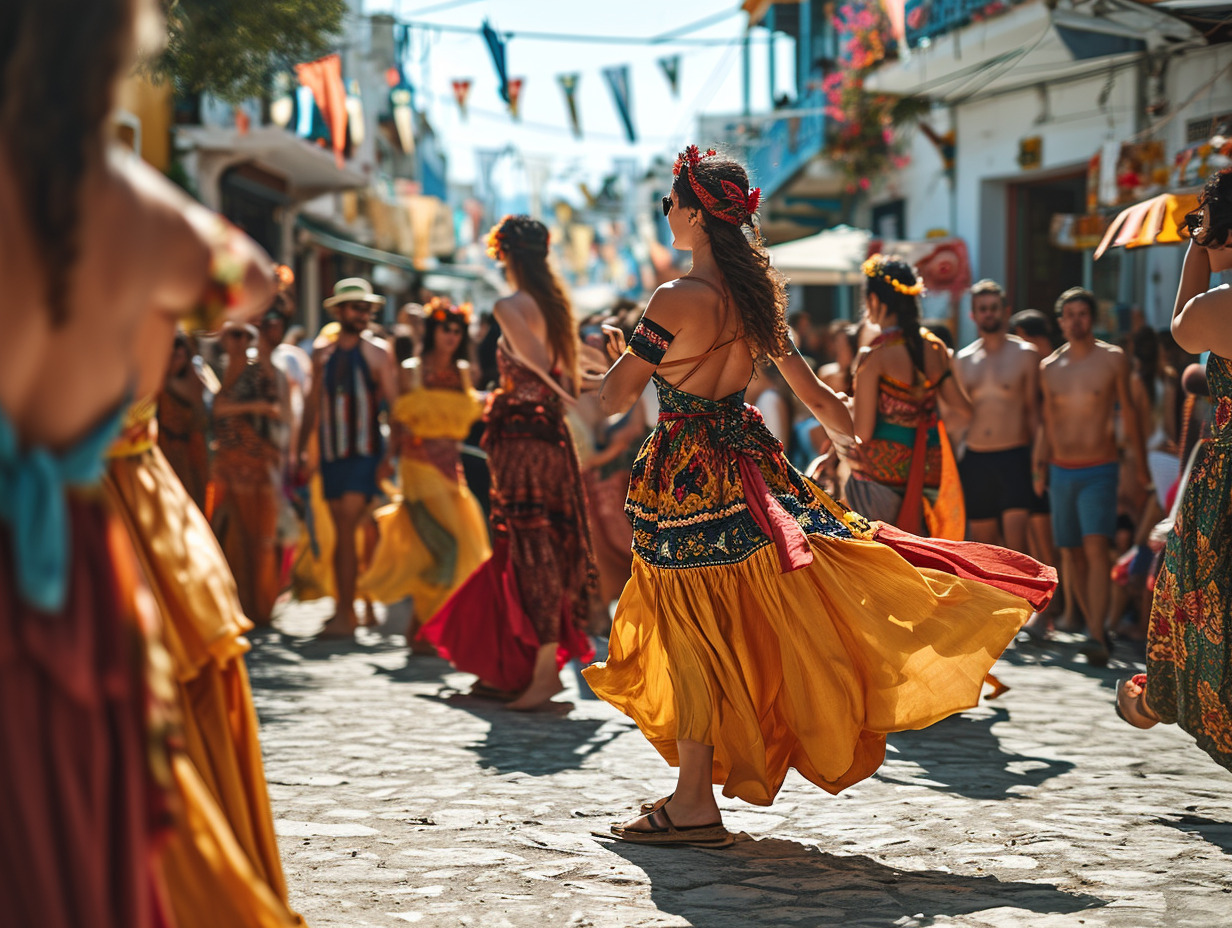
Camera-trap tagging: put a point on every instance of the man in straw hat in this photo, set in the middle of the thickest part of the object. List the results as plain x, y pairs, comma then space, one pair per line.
352, 376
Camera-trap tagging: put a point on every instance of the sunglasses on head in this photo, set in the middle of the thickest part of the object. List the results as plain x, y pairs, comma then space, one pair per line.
667, 205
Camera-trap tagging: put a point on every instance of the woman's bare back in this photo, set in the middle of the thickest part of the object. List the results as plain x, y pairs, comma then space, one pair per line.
142, 261
707, 322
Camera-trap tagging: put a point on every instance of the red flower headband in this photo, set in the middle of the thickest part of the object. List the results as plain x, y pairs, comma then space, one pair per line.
441, 308
741, 206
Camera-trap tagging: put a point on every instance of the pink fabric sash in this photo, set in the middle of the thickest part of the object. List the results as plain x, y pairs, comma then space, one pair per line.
789, 539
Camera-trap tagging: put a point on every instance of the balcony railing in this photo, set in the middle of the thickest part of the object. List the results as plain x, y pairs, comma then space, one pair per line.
928, 19
779, 147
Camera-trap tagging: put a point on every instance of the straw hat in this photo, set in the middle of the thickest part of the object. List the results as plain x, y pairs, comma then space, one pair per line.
354, 290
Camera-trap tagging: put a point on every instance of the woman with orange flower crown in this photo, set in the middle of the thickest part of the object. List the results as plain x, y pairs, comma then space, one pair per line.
522, 615
435, 536
906, 475
764, 626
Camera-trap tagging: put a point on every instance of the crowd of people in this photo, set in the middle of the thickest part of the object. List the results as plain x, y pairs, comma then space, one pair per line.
159, 492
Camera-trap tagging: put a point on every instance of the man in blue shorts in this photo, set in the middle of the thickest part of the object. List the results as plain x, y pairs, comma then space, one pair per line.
1083, 384
353, 375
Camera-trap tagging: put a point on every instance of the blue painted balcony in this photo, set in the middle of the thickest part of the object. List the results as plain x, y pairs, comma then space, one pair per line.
780, 147
928, 19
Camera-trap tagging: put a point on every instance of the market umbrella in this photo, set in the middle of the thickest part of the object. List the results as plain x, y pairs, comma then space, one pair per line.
1157, 221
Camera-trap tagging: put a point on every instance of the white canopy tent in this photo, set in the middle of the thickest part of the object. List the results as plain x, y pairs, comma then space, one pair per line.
831, 258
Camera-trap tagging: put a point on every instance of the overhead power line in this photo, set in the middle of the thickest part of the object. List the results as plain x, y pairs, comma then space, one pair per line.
670, 38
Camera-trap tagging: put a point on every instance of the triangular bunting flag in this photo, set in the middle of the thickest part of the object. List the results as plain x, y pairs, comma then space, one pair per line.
618, 81
569, 84
461, 90
671, 70
515, 96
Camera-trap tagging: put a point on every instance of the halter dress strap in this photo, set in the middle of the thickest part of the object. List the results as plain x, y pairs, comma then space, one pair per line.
699, 359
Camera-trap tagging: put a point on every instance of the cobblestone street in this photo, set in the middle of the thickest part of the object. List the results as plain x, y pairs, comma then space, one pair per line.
399, 800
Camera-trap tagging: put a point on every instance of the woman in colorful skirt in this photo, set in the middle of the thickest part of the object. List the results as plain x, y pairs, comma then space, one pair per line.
101, 257
435, 536
182, 421
906, 475
221, 863
1188, 679
764, 628
522, 615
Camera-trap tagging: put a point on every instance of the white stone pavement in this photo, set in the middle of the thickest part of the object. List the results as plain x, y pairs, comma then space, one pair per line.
400, 801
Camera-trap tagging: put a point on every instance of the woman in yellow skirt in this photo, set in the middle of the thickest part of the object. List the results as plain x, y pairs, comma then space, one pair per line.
436, 535
221, 863
764, 628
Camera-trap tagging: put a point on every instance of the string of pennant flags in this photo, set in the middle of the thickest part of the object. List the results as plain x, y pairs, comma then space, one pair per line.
327, 109
511, 89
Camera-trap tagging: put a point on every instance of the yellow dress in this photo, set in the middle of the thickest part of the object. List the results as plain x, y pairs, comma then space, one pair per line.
435, 535
222, 864
763, 619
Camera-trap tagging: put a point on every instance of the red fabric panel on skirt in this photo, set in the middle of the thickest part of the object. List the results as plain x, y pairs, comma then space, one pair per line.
483, 629
1006, 570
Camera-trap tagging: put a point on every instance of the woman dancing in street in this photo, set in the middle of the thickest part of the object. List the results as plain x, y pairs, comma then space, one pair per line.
1188, 677
763, 627
522, 615
88, 323
436, 536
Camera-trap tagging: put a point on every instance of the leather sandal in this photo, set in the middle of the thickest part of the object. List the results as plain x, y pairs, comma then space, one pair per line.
662, 832
648, 807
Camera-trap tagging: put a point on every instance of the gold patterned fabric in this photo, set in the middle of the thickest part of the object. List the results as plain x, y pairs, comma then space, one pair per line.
1189, 652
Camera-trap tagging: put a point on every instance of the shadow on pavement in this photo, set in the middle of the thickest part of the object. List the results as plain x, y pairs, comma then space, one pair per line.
779, 882
964, 755
534, 743
1217, 833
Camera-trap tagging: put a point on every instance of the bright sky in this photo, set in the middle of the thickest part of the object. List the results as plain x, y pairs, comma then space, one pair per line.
710, 77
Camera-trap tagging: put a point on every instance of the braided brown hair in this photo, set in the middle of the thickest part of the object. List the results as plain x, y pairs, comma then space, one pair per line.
522, 243
59, 61
758, 290
881, 273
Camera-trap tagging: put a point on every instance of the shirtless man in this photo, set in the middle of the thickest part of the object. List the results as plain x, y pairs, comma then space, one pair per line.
1076, 457
351, 377
1000, 372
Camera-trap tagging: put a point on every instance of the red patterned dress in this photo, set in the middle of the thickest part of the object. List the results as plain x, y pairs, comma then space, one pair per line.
1189, 654
538, 585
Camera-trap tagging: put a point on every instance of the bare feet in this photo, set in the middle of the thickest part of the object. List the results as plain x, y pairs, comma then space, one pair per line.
537, 695
681, 815
483, 690
339, 628
998, 688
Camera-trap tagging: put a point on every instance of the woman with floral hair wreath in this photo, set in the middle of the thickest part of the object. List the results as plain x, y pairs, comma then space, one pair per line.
522, 615
765, 627
907, 475
435, 535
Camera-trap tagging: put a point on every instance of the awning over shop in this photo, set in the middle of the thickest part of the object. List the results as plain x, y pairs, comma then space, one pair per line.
1157, 221
308, 169
328, 238
830, 258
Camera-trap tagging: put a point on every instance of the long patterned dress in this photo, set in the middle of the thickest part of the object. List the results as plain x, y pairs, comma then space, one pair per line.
246, 479
763, 619
538, 584
435, 536
1189, 654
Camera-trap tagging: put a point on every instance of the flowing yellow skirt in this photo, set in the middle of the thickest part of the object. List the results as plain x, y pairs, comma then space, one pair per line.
808, 669
403, 563
225, 833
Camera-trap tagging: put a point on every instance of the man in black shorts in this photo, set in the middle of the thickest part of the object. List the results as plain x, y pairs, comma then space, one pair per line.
1000, 373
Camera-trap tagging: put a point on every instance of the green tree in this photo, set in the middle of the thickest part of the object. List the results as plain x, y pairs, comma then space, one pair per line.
232, 48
